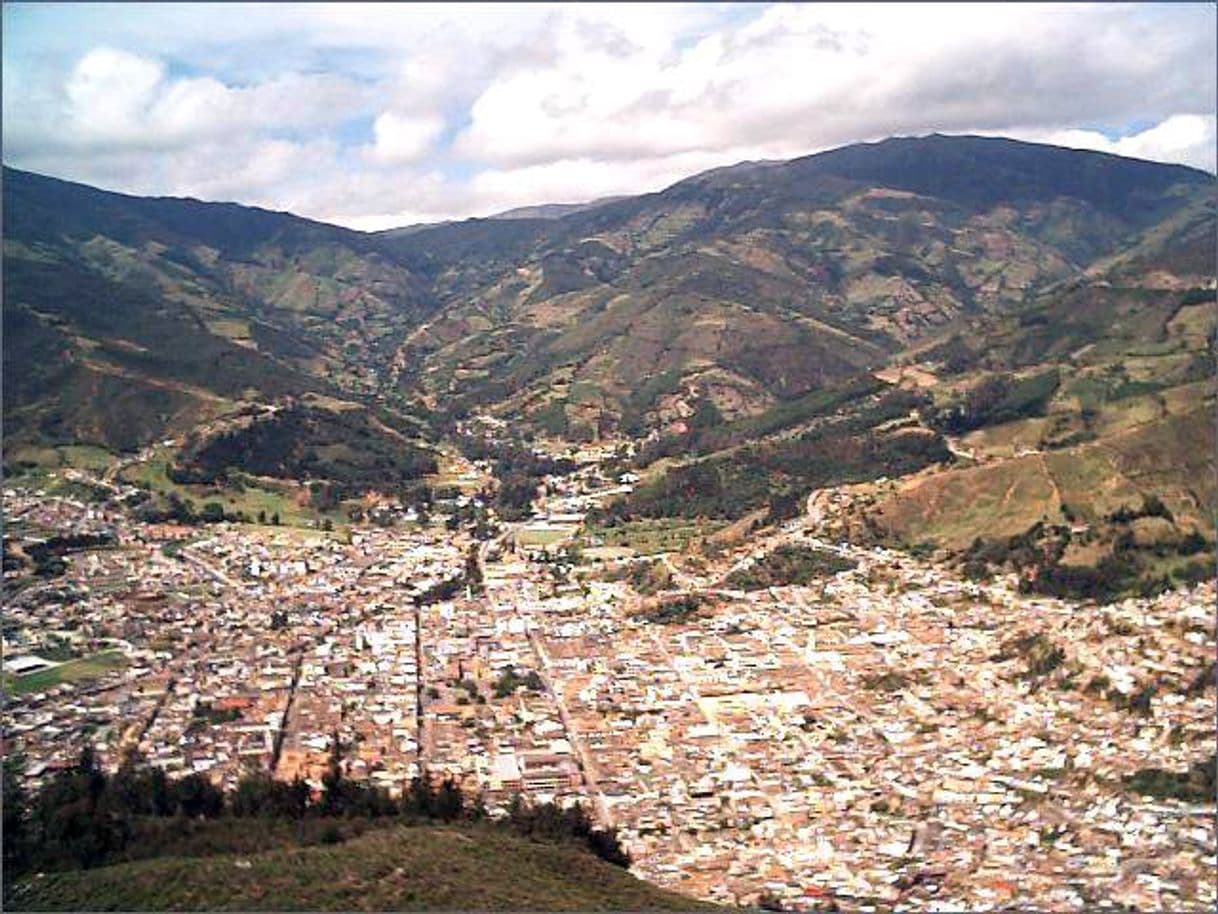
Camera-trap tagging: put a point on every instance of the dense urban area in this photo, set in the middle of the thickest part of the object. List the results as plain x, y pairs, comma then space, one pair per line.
788, 720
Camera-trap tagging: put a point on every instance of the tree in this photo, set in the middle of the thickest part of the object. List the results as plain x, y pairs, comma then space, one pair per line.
420, 797
85, 834
705, 415
768, 901
547, 822
518, 813
1152, 506
1191, 544
197, 797
576, 821
478, 811
259, 795
604, 843
515, 498
16, 813
332, 781
137, 789
449, 801
73, 822
473, 569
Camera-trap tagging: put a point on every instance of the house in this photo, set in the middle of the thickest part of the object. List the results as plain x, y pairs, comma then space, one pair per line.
28, 663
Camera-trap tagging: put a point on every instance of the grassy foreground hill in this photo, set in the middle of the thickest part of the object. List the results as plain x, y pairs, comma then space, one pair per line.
416, 868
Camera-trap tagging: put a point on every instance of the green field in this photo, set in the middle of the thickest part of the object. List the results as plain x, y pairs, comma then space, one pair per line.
383, 870
525, 537
77, 456
653, 535
171, 549
72, 671
86, 457
253, 498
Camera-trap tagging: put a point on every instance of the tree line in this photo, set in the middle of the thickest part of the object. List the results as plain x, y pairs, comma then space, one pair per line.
83, 817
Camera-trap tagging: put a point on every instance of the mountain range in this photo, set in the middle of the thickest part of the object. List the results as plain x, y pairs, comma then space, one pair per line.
944, 308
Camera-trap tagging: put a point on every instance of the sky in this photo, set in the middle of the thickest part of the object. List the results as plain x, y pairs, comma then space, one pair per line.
374, 116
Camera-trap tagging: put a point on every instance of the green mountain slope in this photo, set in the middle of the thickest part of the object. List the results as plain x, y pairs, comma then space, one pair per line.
752, 285
731, 300
128, 318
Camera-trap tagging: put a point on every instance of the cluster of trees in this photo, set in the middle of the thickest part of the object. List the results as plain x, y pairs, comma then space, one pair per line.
779, 473
552, 418
180, 510
997, 399
675, 610
84, 818
784, 506
643, 399
1037, 555
14, 469
440, 591
953, 355
302, 442
518, 469
888, 681
1040, 653
1196, 785
1039, 545
1112, 577
863, 396
551, 823
475, 517
647, 578
513, 456
853, 406
48, 556
509, 681
514, 500
11, 560
1152, 506
789, 565
473, 570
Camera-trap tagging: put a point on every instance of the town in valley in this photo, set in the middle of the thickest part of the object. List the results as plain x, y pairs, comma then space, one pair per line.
888, 733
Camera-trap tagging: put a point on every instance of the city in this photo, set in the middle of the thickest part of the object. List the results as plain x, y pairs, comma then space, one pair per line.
890, 734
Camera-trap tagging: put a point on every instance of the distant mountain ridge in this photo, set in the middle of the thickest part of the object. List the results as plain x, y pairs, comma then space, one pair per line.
738, 288
554, 210
831, 262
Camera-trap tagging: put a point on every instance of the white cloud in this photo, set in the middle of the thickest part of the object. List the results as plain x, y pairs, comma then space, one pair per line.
368, 113
108, 91
402, 138
116, 100
834, 74
1190, 139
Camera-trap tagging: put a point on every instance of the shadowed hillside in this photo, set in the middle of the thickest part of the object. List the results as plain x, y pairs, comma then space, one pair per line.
127, 318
